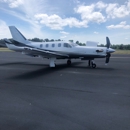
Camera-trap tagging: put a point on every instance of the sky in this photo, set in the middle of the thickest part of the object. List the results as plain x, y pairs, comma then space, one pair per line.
78, 20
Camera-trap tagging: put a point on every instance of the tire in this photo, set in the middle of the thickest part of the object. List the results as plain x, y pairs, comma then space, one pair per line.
93, 65
68, 62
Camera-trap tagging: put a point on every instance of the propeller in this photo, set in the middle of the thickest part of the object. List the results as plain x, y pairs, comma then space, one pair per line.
108, 44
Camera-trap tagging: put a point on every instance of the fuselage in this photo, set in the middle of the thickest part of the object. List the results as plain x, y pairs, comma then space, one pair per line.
71, 49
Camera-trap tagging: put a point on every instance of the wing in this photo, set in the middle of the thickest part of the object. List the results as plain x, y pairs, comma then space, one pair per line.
44, 53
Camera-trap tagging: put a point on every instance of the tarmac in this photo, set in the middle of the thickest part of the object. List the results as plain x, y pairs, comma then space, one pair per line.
34, 96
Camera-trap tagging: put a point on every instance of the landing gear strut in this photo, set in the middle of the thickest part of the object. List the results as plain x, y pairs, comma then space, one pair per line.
68, 62
52, 62
91, 63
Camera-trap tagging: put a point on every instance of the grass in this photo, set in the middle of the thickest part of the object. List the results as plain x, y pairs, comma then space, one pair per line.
122, 52
5, 49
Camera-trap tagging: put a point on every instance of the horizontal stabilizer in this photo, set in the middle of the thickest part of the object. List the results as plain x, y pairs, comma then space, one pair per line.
7, 41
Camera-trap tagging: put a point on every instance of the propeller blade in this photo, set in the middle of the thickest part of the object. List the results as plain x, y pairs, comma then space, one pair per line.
108, 42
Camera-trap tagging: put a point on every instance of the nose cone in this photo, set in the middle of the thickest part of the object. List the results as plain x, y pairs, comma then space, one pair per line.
110, 50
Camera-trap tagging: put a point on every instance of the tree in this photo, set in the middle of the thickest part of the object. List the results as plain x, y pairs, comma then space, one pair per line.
83, 44
80, 44
70, 40
46, 40
77, 42
2, 43
121, 47
36, 40
52, 40
101, 45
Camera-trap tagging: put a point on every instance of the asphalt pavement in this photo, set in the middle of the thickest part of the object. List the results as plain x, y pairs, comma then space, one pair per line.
34, 96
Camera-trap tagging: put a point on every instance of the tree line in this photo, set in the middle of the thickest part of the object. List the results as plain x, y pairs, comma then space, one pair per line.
117, 46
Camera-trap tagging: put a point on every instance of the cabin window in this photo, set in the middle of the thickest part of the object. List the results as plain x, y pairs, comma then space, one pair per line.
53, 45
41, 45
67, 45
59, 44
47, 45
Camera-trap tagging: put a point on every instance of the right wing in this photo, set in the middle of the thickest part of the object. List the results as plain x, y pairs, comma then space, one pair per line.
44, 53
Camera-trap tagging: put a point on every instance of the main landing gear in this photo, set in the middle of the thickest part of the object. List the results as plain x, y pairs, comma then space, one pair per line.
68, 62
91, 63
52, 62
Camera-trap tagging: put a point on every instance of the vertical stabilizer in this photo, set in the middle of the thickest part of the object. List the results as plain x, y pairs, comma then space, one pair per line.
17, 35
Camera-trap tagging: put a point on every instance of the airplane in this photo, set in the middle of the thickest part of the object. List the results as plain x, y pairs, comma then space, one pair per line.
57, 50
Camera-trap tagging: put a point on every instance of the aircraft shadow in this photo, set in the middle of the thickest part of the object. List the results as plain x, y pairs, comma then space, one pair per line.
22, 63
47, 70
43, 71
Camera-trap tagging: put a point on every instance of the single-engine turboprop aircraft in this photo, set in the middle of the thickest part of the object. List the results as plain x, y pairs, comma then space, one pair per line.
57, 50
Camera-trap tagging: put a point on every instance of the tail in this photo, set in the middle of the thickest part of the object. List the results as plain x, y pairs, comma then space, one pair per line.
17, 35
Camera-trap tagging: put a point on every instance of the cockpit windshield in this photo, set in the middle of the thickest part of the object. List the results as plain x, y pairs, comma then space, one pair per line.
73, 44
70, 45
67, 45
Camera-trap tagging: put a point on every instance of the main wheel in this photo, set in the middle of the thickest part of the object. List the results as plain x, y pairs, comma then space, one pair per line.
68, 62
93, 65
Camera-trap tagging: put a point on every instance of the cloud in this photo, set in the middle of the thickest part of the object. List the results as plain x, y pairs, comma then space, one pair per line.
26, 13
13, 3
95, 12
63, 32
96, 32
100, 5
89, 14
16, 3
118, 11
4, 30
121, 25
35, 13
62, 37
57, 23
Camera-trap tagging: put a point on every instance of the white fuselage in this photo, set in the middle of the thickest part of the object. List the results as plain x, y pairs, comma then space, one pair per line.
71, 49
